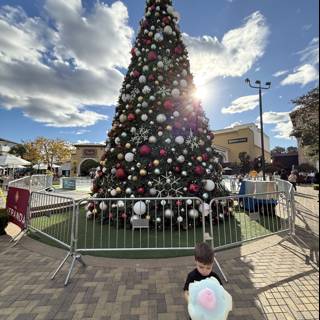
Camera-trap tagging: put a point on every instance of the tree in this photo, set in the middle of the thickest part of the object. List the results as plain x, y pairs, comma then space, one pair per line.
160, 143
18, 150
245, 162
305, 120
292, 150
47, 151
278, 149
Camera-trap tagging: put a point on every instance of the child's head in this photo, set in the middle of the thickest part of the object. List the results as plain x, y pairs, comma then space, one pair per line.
204, 256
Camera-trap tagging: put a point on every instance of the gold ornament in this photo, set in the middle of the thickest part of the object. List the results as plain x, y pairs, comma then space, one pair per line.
120, 156
128, 145
143, 172
199, 159
169, 128
118, 190
134, 178
156, 163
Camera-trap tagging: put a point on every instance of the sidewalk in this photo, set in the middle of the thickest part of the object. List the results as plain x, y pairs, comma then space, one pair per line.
267, 280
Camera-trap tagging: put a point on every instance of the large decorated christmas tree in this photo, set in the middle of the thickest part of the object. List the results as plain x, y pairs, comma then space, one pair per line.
160, 144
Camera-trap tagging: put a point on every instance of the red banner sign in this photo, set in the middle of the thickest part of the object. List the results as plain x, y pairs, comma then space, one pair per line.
17, 205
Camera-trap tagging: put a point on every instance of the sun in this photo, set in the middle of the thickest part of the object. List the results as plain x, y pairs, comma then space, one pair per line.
200, 93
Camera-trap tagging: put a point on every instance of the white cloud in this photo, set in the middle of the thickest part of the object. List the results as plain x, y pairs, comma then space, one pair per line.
281, 120
242, 104
233, 56
275, 117
283, 130
302, 75
280, 73
54, 73
308, 71
83, 142
234, 124
310, 54
82, 131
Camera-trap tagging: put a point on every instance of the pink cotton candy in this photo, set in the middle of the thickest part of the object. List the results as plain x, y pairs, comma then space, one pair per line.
207, 299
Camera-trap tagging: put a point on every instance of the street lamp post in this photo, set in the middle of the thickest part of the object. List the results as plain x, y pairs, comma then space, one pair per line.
260, 87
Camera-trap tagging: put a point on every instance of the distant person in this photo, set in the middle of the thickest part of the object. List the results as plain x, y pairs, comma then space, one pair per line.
293, 180
283, 175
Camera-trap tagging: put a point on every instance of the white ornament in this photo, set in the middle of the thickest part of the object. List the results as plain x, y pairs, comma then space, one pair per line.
161, 118
89, 214
183, 83
103, 206
168, 213
176, 114
193, 213
158, 37
153, 191
144, 117
175, 93
181, 159
113, 192
209, 185
129, 157
167, 30
179, 140
142, 79
160, 64
140, 208
204, 208
123, 118
152, 139
180, 219
146, 90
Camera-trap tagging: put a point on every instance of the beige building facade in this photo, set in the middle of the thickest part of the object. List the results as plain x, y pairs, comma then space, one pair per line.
243, 138
84, 153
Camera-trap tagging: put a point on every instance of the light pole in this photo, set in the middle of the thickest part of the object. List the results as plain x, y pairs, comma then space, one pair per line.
260, 87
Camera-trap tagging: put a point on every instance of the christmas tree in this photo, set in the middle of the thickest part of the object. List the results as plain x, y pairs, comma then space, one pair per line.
160, 144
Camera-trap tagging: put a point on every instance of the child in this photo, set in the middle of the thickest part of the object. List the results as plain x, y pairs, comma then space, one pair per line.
204, 258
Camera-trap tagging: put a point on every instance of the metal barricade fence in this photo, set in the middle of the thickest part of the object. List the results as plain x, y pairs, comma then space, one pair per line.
307, 212
53, 216
139, 224
249, 217
35, 182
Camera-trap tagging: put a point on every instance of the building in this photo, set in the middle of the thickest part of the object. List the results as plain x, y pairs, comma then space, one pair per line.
86, 155
287, 161
6, 145
243, 138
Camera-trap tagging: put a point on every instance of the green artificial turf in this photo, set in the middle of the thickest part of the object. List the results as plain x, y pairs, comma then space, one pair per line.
93, 234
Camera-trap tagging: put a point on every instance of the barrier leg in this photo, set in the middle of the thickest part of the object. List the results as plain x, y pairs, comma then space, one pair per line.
220, 269
16, 238
61, 265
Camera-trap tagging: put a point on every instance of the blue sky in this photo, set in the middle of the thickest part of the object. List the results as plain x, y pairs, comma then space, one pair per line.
60, 62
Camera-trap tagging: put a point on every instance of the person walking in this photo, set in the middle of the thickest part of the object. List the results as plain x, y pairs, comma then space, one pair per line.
293, 180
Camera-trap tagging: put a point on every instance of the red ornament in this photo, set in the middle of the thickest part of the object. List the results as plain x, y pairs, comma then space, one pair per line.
145, 150
168, 105
178, 50
179, 203
205, 157
148, 42
141, 190
121, 174
152, 55
166, 20
163, 152
131, 117
194, 188
199, 170
133, 51
177, 169
124, 216
178, 125
136, 74
151, 77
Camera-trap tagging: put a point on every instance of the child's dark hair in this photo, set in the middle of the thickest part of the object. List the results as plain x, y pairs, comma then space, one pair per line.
203, 253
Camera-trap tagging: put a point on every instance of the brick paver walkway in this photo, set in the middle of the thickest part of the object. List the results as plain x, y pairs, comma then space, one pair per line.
267, 280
